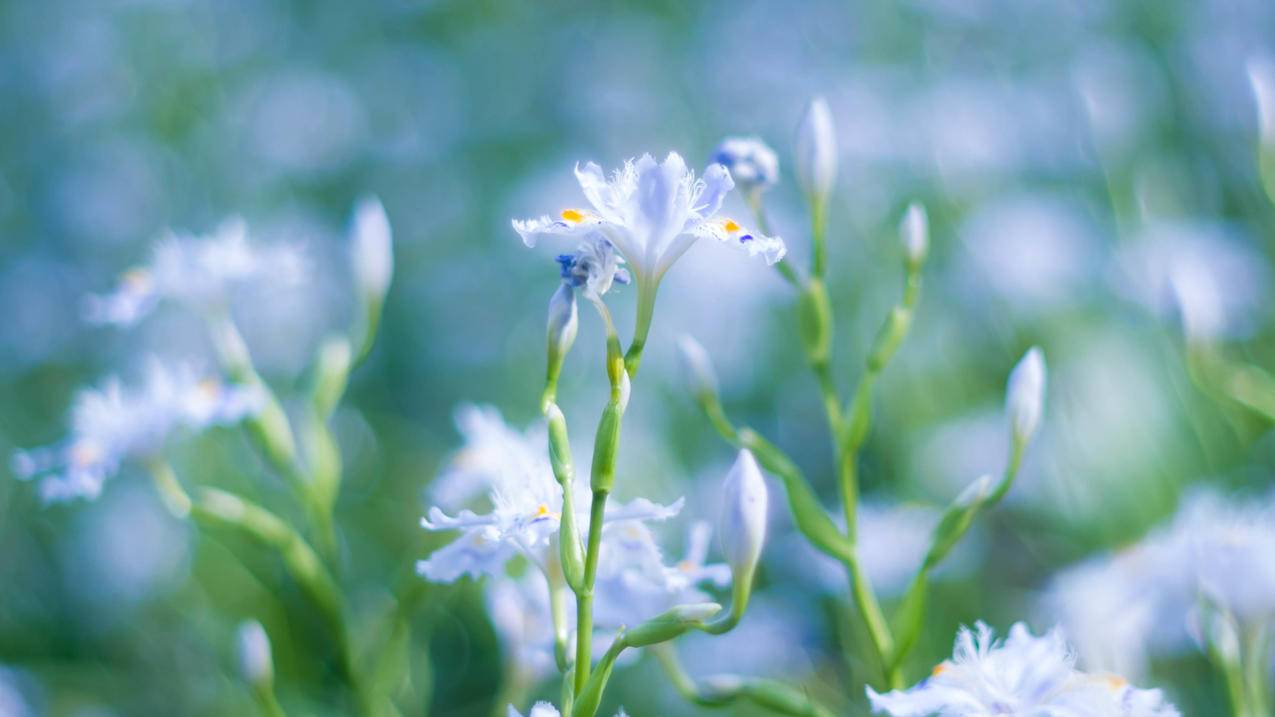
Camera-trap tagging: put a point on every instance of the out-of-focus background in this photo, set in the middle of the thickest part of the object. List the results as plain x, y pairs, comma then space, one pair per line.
1071, 155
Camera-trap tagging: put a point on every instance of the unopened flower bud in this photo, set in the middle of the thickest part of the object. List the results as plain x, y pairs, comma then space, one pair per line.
1261, 77
371, 250
914, 230
816, 155
743, 521
697, 367
670, 624
1025, 395
564, 321
255, 663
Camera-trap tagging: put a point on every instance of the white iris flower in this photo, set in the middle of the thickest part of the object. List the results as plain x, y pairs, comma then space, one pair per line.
114, 423
1023, 676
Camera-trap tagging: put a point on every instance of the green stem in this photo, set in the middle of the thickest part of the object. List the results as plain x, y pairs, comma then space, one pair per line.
646, 289
212, 507
584, 598
818, 238
266, 700
770, 694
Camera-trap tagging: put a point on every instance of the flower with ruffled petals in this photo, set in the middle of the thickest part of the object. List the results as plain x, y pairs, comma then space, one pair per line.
114, 423
652, 212
1023, 676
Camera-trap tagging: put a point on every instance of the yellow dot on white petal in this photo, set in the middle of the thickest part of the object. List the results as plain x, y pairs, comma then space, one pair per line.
939, 669
574, 216
136, 278
85, 453
685, 566
1115, 682
730, 226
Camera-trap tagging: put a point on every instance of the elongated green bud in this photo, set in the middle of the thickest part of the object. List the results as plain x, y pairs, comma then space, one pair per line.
670, 624
605, 447
331, 373
814, 321
956, 520
816, 152
889, 337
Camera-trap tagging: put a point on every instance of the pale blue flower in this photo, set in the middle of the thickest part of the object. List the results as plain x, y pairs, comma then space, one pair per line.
634, 584
525, 504
593, 267
751, 162
652, 213
113, 423
544, 709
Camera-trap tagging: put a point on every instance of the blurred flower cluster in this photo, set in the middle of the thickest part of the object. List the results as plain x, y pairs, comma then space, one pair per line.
943, 319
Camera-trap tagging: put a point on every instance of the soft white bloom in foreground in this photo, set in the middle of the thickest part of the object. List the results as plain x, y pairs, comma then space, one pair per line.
914, 230
255, 663
492, 448
1261, 75
743, 521
1025, 394
519, 610
593, 267
652, 213
816, 153
1024, 676
544, 709
371, 249
697, 367
1208, 275
114, 423
634, 584
200, 272
1231, 553
525, 500
752, 163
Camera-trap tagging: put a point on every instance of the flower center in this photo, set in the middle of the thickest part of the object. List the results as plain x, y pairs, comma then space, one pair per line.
575, 216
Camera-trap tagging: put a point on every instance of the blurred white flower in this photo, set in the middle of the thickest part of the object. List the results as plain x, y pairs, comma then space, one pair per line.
113, 423
199, 272
1206, 273
593, 267
698, 374
1144, 600
634, 584
544, 709
1023, 675
491, 449
525, 505
816, 151
519, 610
1261, 76
1025, 394
652, 212
751, 162
1036, 253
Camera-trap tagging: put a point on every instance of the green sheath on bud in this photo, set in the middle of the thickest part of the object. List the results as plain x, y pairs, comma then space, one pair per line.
604, 449
889, 337
670, 624
331, 373
814, 321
